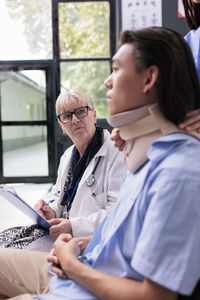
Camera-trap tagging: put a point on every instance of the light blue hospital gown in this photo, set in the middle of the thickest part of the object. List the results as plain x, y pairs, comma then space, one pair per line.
154, 230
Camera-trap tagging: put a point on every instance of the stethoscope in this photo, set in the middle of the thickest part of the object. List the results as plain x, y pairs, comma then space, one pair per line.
90, 181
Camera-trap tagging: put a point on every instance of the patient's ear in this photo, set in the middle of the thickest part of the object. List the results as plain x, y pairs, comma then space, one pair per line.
150, 79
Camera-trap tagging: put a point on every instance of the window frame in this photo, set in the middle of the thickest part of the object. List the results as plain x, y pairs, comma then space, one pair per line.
10, 66
56, 48
57, 143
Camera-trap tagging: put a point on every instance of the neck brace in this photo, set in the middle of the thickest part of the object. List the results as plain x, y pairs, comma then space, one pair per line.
139, 128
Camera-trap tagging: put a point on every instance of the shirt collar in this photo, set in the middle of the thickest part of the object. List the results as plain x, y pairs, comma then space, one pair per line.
162, 146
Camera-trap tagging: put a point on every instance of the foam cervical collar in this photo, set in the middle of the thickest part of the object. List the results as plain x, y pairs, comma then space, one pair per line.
139, 128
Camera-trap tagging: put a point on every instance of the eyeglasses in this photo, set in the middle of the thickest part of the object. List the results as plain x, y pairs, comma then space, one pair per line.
80, 112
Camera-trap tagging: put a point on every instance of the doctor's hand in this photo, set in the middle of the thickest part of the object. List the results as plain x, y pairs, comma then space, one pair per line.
44, 210
192, 121
60, 225
118, 141
63, 257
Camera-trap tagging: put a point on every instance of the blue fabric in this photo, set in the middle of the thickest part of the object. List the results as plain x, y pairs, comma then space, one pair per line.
154, 229
193, 39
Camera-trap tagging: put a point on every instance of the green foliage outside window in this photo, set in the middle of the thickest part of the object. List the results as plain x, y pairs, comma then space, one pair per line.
34, 16
83, 33
84, 29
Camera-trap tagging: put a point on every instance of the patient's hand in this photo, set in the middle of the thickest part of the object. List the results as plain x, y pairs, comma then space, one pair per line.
65, 251
118, 141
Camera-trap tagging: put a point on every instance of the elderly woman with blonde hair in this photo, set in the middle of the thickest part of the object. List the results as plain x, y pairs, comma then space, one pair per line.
89, 175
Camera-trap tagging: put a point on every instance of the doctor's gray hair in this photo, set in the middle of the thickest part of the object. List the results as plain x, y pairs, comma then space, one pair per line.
72, 96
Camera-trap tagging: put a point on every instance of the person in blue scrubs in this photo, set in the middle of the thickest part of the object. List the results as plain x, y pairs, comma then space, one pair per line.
149, 245
192, 18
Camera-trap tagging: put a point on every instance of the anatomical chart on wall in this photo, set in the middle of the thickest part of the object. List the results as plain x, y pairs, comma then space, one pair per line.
141, 13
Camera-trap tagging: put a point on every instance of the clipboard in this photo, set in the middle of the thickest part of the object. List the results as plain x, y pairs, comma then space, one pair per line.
11, 195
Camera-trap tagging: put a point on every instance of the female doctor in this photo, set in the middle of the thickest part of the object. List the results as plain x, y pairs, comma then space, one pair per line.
89, 174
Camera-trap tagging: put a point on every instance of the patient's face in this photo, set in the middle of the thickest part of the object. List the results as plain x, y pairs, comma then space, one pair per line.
125, 85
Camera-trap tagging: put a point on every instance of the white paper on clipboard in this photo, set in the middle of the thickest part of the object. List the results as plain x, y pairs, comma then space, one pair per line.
11, 195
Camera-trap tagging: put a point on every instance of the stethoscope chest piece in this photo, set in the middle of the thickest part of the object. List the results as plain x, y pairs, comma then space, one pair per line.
90, 181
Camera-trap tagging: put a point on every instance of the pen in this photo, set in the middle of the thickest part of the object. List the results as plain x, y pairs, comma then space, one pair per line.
50, 201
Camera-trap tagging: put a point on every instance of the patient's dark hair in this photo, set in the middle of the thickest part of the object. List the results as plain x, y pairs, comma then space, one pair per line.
177, 85
192, 13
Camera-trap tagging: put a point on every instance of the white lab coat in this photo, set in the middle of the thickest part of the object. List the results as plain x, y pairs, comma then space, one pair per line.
91, 204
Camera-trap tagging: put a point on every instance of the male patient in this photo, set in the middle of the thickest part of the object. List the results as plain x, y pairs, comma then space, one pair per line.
149, 245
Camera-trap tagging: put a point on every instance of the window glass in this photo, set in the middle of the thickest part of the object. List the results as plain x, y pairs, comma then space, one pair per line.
88, 76
23, 95
25, 29
25, 151
84, 29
